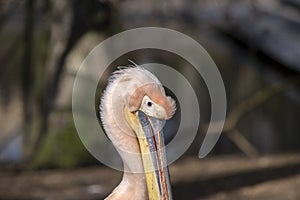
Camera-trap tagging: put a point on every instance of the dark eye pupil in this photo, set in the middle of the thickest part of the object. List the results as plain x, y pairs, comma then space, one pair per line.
149, 103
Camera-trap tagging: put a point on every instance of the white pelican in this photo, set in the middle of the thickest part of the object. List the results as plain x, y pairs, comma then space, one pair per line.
133, 109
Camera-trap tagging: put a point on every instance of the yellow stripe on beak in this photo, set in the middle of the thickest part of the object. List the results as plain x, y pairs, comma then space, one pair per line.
149, 134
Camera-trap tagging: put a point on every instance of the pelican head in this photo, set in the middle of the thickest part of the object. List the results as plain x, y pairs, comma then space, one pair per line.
133, 110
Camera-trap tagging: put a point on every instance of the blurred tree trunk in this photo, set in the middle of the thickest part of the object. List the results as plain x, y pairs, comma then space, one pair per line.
60, 31
27, 70
70, 20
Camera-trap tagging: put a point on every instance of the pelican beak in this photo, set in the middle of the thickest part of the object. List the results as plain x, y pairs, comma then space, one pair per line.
151, 140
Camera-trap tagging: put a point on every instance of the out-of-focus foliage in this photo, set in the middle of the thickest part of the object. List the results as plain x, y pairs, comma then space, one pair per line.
63, 149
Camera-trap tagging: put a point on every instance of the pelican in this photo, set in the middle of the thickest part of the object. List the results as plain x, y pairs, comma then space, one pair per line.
133, 110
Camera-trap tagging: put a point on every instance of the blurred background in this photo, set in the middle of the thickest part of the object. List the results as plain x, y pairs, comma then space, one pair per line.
255, 44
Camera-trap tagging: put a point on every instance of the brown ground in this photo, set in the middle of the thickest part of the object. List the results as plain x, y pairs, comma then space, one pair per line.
221, 178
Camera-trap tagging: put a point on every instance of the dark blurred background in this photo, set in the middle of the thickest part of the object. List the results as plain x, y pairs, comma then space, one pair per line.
255, 44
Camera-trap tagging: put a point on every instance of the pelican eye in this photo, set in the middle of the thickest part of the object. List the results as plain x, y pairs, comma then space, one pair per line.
152, 109
149, 103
